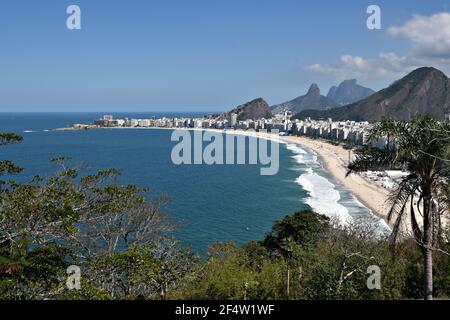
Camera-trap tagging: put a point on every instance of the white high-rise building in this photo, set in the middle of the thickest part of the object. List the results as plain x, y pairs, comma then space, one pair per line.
232, 120
143, 123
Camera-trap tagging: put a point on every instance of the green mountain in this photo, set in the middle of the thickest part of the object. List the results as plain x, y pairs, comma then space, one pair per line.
253, 110
423, 91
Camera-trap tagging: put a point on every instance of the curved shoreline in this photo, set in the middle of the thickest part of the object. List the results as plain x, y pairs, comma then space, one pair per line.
334, 159
370, 195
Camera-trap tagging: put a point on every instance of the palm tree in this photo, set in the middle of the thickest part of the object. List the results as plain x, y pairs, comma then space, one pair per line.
422, 148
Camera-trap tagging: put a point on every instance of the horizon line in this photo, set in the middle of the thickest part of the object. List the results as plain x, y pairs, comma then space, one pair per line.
102, 111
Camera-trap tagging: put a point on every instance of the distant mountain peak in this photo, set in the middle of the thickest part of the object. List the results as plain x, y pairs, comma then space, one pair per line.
349, 91
349, 82
314, 90
311, 100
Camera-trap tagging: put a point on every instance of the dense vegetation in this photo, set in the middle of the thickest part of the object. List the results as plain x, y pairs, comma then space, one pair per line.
422, 199
118, 239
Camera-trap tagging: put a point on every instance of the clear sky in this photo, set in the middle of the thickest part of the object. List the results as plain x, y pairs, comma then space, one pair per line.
206, 55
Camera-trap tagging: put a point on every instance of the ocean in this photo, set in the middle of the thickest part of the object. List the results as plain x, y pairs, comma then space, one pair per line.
210, 203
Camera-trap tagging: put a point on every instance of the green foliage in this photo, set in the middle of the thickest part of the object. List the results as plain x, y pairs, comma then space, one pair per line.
30, 272
331, 265
115, 234
9, 138
303, 228
92, 221
442, 273
337, 268
422, 147
124, 275
229, 274
8, 167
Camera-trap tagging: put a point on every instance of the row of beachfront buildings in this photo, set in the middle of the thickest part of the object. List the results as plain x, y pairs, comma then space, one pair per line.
341, 131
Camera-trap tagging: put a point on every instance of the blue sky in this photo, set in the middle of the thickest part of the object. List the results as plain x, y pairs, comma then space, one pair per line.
204, 55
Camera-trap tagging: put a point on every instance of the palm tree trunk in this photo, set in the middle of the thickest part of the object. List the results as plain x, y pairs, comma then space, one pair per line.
428, 260
288, 282
427, 252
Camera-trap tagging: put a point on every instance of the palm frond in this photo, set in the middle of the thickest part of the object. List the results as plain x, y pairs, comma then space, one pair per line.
368, 158
398, 200
418, 234
400, 197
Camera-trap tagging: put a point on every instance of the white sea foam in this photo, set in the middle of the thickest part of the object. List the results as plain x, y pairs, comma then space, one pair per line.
299, 158
252, 134
300, 155
295, 149
323, 197
381, 226
28, 131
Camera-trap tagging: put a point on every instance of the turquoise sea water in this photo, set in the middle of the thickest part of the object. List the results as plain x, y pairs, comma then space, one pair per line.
212, 203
